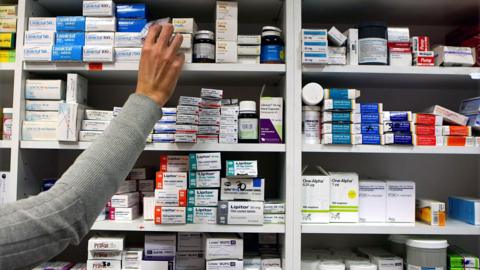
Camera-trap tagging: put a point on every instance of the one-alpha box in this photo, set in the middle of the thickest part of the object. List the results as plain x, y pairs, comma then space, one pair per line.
316, 197
343, 197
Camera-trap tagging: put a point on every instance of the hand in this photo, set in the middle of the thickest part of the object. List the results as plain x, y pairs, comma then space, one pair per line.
160, 64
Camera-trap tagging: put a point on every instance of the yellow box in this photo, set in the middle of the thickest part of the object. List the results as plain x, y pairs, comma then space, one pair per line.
8, 10
7, 56
8, 25
7, 40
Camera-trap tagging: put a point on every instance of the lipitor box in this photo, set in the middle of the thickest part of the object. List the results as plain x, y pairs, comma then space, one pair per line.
240, 213
98, 115
124, 200
98, 8
316, 197
242, 189
170, 197
225, 265
77, 90
271, 120
372, 201
170, 215
128, 40
205, 161
42, 24
104, 264
241, 169
101, 24
184, 25
123, 213
39, 37
160, 245
189, 260
128, 54
99, 38
45, 89
202, 197
70, 116
99, 54
189, 241
223, 246
400, 201
204, 179
95, 125
112, 243
39, 131
343, 197
448, 115
201, 215
37, 53
171, 180
174, 163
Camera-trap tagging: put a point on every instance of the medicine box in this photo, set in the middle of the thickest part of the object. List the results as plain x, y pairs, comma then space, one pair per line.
201, 215
194, 110
70, 23
249, 40
77, 90
248, 60
131, 25
70, 116
171, 180
7, 40
104, 264
242, 189
316, 197
226, 30
105, 255
128, 54
204, 179
98, 53
39, 131
271, 120
241, 169
187, 42
225, 265
470, 106
240, 213
124, 213
8, 25
69, 38
42, 24
189, 241
184, 25
336, 37
352, 46
372, 201
100, 24
39, 37
157, 265
427, 119
398, 34
160, 245
146, 185
431, 212
128, 40
189, 260
67, 53
124, 200
343, 197
41, 116
98, 115
448, 115
226, 51
205, 161
41, 105
252, 50
174, 163
95, 125
420, 44
45, 89
37, 53
98, 8
148, 208
8, 11
112, 243
400, 201
465, 209
185, 138
450, 56
132, 258
171, 197
223, 246
132, 11
208, 93
226, 10
274, 207
202, 197
100, 38
274, 219
170, 215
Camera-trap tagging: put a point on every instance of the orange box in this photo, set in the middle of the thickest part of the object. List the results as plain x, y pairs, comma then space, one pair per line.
173, 163
431, 212
459, 141
171, 180
170, 215
457, 130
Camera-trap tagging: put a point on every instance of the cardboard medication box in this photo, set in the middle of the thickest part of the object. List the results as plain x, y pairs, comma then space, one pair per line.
100, 24
454, 56
241, 169
201, 215
37, 53
112, 243
100, 38
316, 197
343, 197
140, 173
89, 136
104, 264
98, 8
431, 212
205, 161
98, 115
148, 208
131, 10
170, 215
41, 105
171, 180
95, 53
274, 219
204, 179
124, 200
124, 213
271, 120
77, 90
132, 258
71, 53
39, 131
128, 54
226, 30
42, 24
466, 209
225, 265
8, 11
187, 241
223, 246
45, 89
128, 40
105, 255
202, 197
174, 163
226, 51
189, 260
69, 120
401, 201
184, 25
160, 245
70, 23
372, 201
448, 115
240, 213
226, 10
95, 125
69, 38
274, 207
242, 189
171, 197
130, 25
41, 116
40, 37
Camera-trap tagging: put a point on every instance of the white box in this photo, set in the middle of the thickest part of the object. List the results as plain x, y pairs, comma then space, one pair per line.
148, 208
387, 262
128, 54
146, 185
128, 40
400, 201
271, 263
70, 116
98, 8
372, 201
42, 24
201, 215
226, 51
202, 197
187, 241
337, 56
277, 207
190, 101
160, 245
242, 189
210, 93
99, 38
41, 116
39, 37
205, 162
188, 109
397, 58
41, 105
111, 243
450, 56
170, 197
187, 42
343, 197
241, 169
100, 24
229, 129
226, 10
104, 264
226, 30
448, 115
398, 34
98, 115
316, 198
204, 179
336, 37
39, 131
88, 136
174, 163
124, 213
240, 213
225, 265
248, 60
228, 138
171, 180
315, 57
189, 260
124, 200
45, 89
127, 186
274, 219
184, 25
132, 258
170, 215
95, 125
249, 39
223, 246
188, 55
157, 265
352, 46
77, 89
37, 53
105, 255
98, 54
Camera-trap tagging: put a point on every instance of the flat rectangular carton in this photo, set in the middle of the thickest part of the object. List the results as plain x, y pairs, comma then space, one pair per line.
466, 209
98, 53
69, 53
189, 260
98, 8
148, 208
274, 219
201, 215
171, 197
104, 264
39, 37
45, 89
170, 215
37, 53
42, 24
372, 201
241, 169
39, 131
205, 161
70, 116
124, 213
225, 265
448, 115
101, 24
171, 180
431, 212
128, 40
174, 163
189, 241
400, 201
128, 54
70, 38
105, 255
7, 40
226, 10
98, 115
77, 90
202, 197
204, 179
100, 38
242, 189
132, 258
95, 125
343, 197
274, 207
112, 243
124, 200
184, 25
240, 213
316, 197
223, 246
41, 116
271, 120
160, 245
70, 23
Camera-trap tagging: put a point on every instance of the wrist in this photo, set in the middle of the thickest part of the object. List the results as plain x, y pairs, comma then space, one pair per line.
157, 98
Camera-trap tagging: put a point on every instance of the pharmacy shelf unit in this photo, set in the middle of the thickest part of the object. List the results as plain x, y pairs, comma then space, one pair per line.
385, 149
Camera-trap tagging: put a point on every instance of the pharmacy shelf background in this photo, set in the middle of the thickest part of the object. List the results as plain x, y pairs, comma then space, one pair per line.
438, 172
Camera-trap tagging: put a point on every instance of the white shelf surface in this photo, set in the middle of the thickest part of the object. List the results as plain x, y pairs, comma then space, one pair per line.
148, 226
162, 146
391, 149
5, 144
453, 227
7, 66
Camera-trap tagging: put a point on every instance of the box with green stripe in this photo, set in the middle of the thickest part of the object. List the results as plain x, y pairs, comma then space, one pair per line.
204, 179
202, 197
315, 196
343, 197
201, 215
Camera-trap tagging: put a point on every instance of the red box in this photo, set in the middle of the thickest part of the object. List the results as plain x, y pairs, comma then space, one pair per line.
474, 43
422, 140
421, 44
424, 59
428, 130
406, 45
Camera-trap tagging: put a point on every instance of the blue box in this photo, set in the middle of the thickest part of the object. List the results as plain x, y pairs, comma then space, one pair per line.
372, 139
464, 209
67, 53
68, 38
370, 129
370, 118
70, 23
470, 106
130, 25
398, 138
404, 127
138, 11
369, 108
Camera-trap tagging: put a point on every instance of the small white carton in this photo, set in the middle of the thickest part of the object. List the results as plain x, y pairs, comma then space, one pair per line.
226, 51
188, 241
242, 189
37, 53
77, 89
275, 207
372, 201
105, 255
160, 245
70, 116
189, 260
226, 30
128, 54
148, 208
39, 131
226, 10
112, 243
128, 40
174, 163
205, 161
132, 258
241, 169
95, 125
170, 197
98, 115
352, 46
225, 265
39, 37
316, 196
202, 197
124, 200
42, 24
98, 54
336, 37
343, 197
274, 219
401, 201
204, 179
123, 213
223, 246
88, 136
41, 116
171, 180
45, 89
104, 264
170, 215
101, 8
99, 38
100, 24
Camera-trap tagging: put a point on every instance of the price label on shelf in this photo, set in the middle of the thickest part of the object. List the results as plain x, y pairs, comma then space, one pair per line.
95, 66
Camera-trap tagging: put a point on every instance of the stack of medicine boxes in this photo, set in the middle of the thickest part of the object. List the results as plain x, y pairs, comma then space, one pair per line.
164, 129
229, 121
314, 46
128, 40
125, 204
370, 116
337, 127
41, 109
226, 32
39, 39
186, 128
203, 184
399, 46
100, 27
94, 118
186, 27
209, 118
69, 39
224, 251
422, 55
337, 52
171, 190
398, 127
8, 29
249, 49
190, 249
104, 251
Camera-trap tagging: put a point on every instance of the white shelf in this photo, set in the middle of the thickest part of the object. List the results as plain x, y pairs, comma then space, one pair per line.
7, 66
453, 227
5, 144
162, 146
148, 226
393, 149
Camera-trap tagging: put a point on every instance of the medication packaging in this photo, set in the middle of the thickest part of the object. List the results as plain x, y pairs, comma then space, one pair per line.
69, 38
128, 40
39, 131
343, 197
223, 246
111, 243
39, 37
37, 53
202, 197
174, 163
372, 201
77, 90
226, 51
100, 24
105, 255
242, 189
94, 53
400, 201
41, 105
95, 125
70, 23
271, 120
41, 116
42, 24
352, 46
170, 197
226, 30
249, 40
450, 56
448, 115
160, 245
336, 37
204, 179
316, 197
431, 212
184, 25
72, 53
128, 54
273, 207
100, 38
226, 10
170, 215
171, 180
201, 215
465, 209
205, 161
148, 208
132, 258
98, 8
189, 260
140, 173
124, 200
98, 115
187, 241
69, 121
45, 89
124, 213
274, 219
240, 213
225, 265
241, 169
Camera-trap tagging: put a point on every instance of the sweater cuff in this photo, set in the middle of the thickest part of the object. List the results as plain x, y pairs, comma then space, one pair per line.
141, 109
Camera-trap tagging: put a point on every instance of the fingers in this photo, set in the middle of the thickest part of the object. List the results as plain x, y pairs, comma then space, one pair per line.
165, 36
176, 43
153, 33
